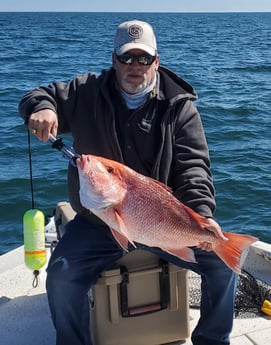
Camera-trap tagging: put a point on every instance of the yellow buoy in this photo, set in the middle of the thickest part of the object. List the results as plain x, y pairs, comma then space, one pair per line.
34, 239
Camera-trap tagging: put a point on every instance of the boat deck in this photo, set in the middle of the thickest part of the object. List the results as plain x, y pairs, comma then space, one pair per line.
25, 317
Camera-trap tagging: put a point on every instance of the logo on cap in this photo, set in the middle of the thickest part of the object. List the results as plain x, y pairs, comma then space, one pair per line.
135, 31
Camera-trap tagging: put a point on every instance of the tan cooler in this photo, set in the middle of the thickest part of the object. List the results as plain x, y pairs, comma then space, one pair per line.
142, 302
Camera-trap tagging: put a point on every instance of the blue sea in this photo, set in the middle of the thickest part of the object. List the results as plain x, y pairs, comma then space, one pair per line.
225, 56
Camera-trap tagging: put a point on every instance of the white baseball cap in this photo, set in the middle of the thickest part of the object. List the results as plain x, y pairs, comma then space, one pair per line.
135, 34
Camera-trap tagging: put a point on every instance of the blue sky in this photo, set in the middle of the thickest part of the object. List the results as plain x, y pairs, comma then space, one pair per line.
138, 6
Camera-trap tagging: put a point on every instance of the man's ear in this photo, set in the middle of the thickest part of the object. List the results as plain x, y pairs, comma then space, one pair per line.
157, 62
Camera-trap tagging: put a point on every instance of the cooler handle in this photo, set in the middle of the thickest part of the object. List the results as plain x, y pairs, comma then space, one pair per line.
146, 309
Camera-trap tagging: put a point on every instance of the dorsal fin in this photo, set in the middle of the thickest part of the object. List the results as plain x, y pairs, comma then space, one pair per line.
200, 220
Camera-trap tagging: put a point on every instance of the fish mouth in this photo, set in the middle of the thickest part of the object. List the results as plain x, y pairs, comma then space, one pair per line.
86, 166
81, 161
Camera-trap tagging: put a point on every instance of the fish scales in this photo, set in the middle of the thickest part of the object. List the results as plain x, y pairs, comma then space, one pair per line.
153, 211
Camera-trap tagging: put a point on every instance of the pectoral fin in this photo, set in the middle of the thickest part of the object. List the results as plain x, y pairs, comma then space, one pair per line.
122, 240
123, 228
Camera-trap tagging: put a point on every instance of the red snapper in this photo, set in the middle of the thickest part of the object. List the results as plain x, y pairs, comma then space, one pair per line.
140, 209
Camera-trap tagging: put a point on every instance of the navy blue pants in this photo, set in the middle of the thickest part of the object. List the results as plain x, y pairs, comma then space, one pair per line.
86, 250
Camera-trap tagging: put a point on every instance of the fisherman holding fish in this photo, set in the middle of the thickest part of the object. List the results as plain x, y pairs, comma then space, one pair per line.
142, 115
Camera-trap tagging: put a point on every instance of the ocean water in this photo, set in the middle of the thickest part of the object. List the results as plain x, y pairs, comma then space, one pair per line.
226, 57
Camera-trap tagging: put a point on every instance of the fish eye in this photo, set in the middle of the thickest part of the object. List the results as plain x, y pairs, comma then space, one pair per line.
110, 170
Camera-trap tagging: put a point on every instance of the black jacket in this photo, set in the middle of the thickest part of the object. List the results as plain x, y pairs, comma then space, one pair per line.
84, 107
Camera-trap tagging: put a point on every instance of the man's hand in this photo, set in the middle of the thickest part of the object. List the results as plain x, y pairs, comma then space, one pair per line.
213, 226
42, 123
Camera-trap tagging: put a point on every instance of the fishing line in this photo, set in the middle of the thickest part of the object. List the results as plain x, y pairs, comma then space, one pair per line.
30, 169
34, 230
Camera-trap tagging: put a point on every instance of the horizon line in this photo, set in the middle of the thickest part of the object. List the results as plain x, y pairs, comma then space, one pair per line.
81, 11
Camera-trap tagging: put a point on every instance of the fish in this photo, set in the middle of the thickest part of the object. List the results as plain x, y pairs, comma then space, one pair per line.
140, 209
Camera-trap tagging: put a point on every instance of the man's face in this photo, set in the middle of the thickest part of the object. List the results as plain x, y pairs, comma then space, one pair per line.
134, 77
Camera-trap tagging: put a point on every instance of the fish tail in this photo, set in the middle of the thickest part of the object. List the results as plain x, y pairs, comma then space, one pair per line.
230, 251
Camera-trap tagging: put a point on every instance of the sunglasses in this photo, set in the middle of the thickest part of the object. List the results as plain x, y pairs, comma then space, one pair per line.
143, 59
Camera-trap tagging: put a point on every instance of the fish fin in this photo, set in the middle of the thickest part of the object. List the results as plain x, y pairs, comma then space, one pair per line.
230, 251
123, 228
200, 220
183, 253
121, 239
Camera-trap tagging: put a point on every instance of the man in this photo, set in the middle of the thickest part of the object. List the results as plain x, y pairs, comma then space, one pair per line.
143, 115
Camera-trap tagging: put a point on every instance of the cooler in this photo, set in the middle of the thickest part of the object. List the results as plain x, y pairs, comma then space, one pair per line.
144, 301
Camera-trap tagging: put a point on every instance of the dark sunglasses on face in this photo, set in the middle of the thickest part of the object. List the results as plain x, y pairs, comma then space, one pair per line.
142, 59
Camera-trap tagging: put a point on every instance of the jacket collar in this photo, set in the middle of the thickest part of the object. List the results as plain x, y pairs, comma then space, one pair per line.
173, 87
169, 85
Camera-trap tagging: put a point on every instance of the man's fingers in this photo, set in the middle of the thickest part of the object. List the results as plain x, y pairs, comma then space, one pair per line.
207, 246
214, 227
42, 123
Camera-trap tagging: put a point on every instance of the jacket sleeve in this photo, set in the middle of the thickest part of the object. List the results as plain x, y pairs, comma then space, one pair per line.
60, 97
192, 179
